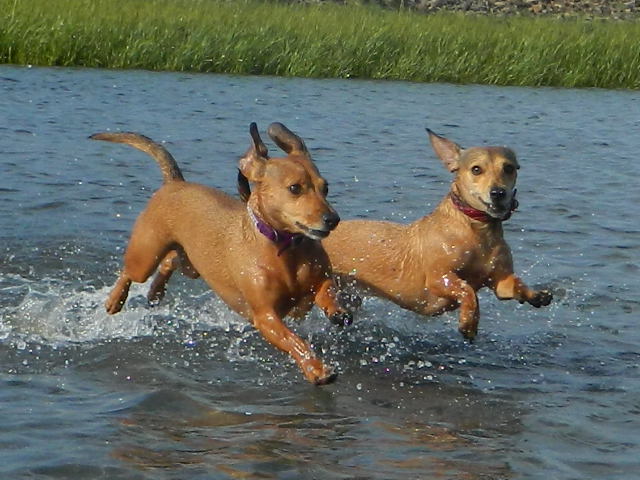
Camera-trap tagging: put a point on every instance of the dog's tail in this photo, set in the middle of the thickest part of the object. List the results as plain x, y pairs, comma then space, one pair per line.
170, 170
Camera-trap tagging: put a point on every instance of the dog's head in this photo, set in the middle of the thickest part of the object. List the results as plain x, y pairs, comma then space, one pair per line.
288, 192
485, 176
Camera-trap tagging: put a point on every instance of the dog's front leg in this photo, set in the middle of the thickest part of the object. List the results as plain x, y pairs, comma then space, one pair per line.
327, 299
452, 287
511, 287
276, 333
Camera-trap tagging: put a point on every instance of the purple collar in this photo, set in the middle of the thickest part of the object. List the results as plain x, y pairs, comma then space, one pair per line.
281, 238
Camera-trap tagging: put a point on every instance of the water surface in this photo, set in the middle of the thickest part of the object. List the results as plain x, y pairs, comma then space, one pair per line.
190, 390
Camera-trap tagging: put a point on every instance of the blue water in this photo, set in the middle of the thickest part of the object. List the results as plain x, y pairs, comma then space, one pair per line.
190, 390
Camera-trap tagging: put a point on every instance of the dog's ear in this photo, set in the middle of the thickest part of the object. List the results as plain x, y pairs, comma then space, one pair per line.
244, 189
447, 151
286, 139
252, 164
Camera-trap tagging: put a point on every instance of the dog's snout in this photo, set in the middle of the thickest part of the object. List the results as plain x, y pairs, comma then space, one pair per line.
497, 193
331, 220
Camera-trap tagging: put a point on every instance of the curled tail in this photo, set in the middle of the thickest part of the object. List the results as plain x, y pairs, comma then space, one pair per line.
170, 170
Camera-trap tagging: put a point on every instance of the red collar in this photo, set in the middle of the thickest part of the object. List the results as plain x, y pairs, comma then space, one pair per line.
479, 215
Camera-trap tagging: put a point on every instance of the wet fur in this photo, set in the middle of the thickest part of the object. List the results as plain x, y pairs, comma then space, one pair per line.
208, 233
439, 262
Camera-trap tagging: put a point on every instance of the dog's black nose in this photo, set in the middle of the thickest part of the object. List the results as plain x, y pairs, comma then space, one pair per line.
497, 193
331, 220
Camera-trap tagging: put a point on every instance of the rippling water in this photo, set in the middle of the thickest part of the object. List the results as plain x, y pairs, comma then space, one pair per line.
189, 390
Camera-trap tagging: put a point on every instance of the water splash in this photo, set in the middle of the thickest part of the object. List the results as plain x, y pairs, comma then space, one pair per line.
55, 313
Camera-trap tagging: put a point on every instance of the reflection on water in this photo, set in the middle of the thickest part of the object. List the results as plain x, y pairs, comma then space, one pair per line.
189, 389
168, 430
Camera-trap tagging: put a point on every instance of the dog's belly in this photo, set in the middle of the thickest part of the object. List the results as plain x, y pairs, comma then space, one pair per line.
414, 298
424, 303
231, 296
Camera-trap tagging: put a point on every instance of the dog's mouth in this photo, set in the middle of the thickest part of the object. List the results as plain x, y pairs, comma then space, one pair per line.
497, 211
312, 232
500, 210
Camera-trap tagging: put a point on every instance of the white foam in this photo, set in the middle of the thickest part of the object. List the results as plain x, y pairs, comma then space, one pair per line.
54, 313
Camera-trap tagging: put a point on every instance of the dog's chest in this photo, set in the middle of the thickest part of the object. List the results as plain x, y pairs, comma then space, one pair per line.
479, 262
301, 276
308, 274
297, 286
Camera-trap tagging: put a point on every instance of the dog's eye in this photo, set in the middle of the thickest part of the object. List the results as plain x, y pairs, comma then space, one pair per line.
325, 189
509, 169
295, 189
476, 170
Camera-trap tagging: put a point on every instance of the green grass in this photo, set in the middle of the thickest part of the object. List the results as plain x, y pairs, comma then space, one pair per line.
325, 40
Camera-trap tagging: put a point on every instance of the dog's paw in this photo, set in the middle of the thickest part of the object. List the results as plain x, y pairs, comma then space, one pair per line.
317, 373
154, 297
350, 300
342, 318
113, 308
542, 298
326, 379
114, 304
469, 333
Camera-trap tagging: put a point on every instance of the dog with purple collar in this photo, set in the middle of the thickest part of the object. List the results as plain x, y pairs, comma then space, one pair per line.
262, 256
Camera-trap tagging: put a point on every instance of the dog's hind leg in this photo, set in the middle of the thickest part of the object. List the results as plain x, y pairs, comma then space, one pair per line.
118, 294
173, 260
147, 247
159, 284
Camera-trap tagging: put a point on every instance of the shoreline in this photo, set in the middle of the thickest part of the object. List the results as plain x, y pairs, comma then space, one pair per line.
328, 40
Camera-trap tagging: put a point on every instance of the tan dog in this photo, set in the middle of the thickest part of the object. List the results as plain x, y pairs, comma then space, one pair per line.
438, 263
264, 258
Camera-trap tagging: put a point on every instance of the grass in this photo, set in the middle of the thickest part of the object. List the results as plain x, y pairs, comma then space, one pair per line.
320, 40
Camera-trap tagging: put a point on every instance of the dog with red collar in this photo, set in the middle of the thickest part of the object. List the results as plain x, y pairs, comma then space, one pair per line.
440, 261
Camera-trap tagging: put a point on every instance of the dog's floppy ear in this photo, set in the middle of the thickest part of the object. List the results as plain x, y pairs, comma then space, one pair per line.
286, 139
244, 189
251, 165
447, 151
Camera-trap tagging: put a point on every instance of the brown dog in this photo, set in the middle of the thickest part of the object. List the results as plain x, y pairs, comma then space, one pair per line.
438, 263
263, 258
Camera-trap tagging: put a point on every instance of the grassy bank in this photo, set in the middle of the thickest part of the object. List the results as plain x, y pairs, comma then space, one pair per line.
250, 37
